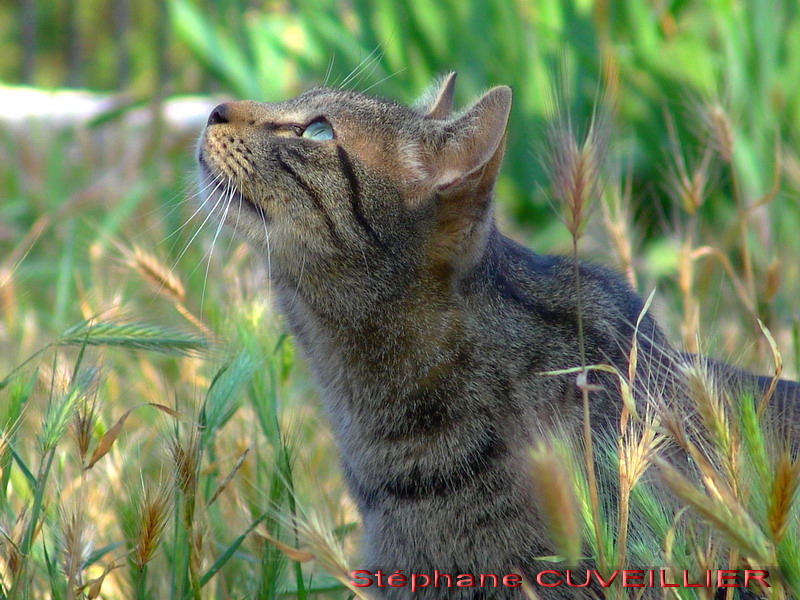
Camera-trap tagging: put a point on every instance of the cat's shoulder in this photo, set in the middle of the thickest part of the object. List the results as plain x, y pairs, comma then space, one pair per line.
546, 283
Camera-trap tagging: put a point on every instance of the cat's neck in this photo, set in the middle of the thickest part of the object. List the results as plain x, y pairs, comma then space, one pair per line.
405, 328
385, 291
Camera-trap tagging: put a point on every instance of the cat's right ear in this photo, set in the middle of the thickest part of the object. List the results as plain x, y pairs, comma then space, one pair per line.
442, 106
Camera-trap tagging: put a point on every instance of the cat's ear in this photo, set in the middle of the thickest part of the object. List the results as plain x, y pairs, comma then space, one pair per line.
442, 105
473, 143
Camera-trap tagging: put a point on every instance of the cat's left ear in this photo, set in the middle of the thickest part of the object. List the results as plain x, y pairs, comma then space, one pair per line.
473, 143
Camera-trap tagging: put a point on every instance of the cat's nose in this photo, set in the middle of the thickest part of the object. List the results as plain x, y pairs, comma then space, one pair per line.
220, 115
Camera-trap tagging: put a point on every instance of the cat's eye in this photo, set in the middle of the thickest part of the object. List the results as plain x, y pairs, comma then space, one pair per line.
319, 130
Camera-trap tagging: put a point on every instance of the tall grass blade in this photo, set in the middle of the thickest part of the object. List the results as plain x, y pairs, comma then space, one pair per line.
229, 551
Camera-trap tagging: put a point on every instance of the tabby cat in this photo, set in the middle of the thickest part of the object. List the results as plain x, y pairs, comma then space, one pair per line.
427, 329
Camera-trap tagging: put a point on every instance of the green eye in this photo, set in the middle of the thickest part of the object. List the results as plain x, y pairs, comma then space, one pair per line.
319, 130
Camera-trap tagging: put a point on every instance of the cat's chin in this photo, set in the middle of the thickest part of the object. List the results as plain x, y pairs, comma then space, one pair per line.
217, 188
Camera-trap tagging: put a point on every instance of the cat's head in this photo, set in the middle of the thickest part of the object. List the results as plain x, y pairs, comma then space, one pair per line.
336, 181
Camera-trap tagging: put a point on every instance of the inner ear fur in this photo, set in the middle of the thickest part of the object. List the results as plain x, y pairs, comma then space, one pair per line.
473, 141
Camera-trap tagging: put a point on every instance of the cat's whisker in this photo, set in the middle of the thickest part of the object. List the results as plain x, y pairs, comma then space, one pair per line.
360, 67
158, 216
230, 193
238, 214
200, 228
377, 83
214, 181
218, 180
349, 75
299, 278
376, 61
329, 71
197, 231
269, 256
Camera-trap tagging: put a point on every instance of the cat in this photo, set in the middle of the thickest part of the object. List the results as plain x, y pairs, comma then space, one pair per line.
429, 332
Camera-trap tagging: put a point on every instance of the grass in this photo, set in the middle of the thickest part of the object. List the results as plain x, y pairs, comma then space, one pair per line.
159, 436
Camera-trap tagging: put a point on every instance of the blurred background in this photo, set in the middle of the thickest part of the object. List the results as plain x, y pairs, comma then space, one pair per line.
101, 102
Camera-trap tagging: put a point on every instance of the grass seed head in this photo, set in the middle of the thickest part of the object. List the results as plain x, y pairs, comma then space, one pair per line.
708, 398
720, 130
84, 421
62, 409
688, 183
154, 511
76, 541
10, 539
782, 506
557, 500
717, 505
185, 455
576, 169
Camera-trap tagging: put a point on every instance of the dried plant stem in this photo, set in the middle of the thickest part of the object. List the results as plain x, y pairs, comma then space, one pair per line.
576, 171
583, 384
747, 261
691, 316
624, 515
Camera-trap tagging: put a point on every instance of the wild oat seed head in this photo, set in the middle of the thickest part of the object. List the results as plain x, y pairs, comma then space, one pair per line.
84, 421
76, 540
61, 410
154, 511
784, 496
185, 457
576, 168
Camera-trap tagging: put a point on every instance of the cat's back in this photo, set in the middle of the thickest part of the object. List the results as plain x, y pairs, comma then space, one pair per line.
529, 303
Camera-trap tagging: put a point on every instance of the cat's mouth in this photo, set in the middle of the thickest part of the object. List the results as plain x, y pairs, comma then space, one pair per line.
216, 183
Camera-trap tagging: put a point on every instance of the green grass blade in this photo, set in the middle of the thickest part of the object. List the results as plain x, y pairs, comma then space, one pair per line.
23, 467
230, 551
101, 552
56, 582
